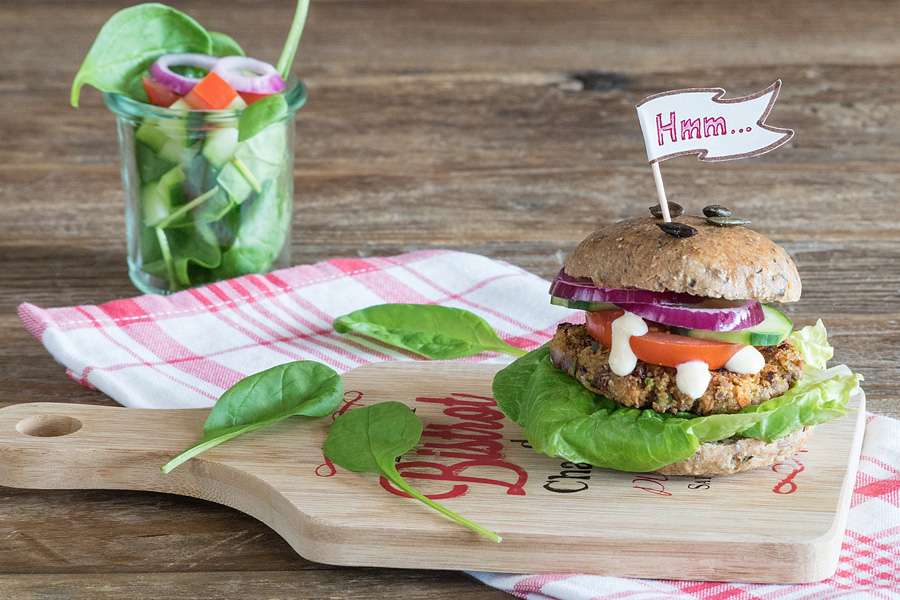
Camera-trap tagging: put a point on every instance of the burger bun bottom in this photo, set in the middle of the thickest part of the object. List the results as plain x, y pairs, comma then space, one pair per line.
738, 455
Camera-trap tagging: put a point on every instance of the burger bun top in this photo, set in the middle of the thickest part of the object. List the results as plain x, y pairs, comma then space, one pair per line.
734, 263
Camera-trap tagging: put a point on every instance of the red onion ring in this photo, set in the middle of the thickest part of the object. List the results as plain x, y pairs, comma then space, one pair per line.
746, 315
162, 71
265, 80
573, 288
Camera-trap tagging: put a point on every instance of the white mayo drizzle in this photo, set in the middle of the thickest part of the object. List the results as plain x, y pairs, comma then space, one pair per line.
747, 361
692, 378
622, 359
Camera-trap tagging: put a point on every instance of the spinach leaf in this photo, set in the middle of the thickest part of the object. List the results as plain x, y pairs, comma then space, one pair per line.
224, 45
260, 115
257, 159
264, 153
369, 440
132, 39
302, 388
227, 227
213, 209
192, 245
184, 249
149, 245
264, 224
286, 60
237, 180
150, 165
161, 264
429, 330
206, 208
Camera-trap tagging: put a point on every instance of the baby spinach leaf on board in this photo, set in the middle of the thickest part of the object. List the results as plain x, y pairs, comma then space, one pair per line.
429, 330
224, 45
260, 115
302, 388
369, 440
131, 40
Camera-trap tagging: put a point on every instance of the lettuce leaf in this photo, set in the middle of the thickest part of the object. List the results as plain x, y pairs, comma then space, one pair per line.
814, 399
561, 418
812, 342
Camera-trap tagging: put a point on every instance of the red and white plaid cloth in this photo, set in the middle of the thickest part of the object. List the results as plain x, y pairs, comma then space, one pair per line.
184, 350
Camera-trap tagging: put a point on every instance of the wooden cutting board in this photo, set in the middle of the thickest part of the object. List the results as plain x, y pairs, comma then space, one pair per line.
783, 524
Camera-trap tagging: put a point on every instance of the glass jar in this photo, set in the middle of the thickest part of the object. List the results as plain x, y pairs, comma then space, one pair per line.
201, 206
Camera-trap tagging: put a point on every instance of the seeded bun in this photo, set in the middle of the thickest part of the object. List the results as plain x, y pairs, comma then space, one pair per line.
734, 263
737, 456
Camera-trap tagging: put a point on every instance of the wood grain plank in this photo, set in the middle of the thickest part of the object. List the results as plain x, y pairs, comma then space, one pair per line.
274, 585
535, 121
133, 532
349, 37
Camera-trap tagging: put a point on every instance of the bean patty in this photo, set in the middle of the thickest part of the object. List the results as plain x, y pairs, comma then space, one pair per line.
652, 386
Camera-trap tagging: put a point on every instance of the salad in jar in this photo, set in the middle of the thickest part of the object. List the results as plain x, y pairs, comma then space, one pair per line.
206, 141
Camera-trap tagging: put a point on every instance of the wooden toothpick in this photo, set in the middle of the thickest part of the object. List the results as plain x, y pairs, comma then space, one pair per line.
661, 192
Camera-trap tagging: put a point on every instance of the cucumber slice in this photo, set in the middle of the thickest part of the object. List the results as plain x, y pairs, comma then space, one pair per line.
159, 133
775, 327
151, 135
236, 181
172, 149
581, 304
150, 166
176, 152
157, 198
220, 146
176, 128
154, 206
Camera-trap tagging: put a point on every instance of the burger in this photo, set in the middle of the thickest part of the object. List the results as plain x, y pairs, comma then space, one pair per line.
684, 362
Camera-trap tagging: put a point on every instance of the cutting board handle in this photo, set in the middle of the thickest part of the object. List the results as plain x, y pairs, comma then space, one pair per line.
72, 446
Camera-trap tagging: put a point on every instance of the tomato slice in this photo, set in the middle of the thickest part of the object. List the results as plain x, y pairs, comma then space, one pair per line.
250, 97
660, 348
159, 94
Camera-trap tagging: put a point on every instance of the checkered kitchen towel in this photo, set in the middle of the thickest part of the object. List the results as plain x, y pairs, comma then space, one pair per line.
183, 350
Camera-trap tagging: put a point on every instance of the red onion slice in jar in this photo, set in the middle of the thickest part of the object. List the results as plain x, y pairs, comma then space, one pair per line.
573, 288
248, 75
710, 318
162, 72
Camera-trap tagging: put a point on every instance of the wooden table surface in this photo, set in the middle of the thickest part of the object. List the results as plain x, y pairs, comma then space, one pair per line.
500, 127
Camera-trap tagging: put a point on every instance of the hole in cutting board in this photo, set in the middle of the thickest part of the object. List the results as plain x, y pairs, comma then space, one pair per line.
48, 425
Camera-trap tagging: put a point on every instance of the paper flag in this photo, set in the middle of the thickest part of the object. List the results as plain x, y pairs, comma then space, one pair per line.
699, 121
